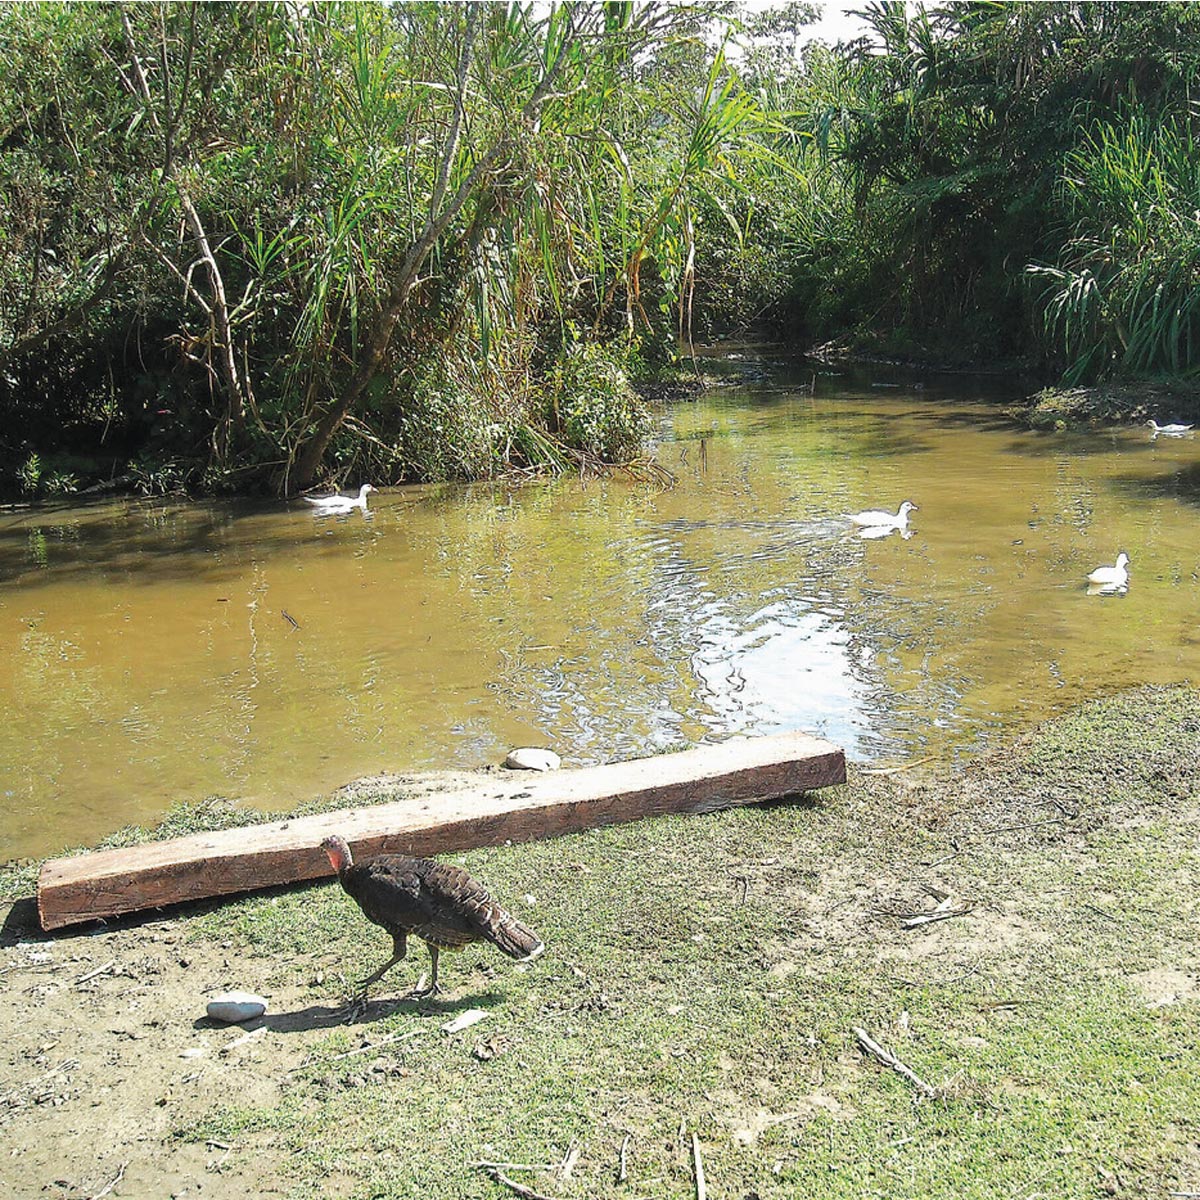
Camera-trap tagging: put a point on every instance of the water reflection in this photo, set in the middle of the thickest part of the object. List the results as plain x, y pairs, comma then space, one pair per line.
158, 651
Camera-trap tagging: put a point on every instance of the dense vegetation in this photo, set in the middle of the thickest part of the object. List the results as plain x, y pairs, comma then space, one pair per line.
999, 181
279, 242
267, 245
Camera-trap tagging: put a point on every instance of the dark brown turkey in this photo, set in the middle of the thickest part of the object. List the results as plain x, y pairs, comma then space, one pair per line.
437, 902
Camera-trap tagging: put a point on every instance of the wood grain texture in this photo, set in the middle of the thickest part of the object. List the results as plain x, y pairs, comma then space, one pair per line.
519, 807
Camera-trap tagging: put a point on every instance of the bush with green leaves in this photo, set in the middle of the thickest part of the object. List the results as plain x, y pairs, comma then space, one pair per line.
34, 477
599, 413
445, 428
262, 217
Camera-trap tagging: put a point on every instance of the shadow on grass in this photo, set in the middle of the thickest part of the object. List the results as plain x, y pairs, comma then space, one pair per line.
21, 924
321, 1016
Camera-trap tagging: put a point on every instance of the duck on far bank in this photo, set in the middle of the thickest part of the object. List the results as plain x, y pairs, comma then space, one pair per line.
876, 518
1170, 430
1112, 577
335, 504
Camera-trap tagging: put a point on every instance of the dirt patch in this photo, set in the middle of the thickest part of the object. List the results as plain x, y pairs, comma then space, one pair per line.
748, 1126
100, 1072
113, 1055
1165, 986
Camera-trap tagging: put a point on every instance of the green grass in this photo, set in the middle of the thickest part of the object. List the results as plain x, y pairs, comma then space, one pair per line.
665, 999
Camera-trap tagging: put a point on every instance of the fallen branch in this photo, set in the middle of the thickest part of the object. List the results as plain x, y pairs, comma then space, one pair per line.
387, 1041
698, 1163
920, 762
888, 1059
108, 966
1030, 824
622, 1173
910, 920
108, 1187
1074, 816
957, 854
245, 1037
66, 1065
519, 1188
938, 914
569, 1161
484, 1165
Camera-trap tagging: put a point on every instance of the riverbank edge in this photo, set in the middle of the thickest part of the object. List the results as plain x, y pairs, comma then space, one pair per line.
18, 877
1063, 408
1058, 1000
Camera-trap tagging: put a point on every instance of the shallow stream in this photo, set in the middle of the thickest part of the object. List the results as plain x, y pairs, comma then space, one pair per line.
156, 651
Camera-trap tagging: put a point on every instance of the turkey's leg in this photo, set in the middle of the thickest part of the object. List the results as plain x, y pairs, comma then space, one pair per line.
432, 989
399, 949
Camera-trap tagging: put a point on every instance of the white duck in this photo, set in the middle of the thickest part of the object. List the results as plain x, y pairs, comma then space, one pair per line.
1169, 430
876, 518
1112, 577
328, 506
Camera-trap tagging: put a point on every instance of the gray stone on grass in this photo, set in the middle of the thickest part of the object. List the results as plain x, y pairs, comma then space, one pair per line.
233, 1007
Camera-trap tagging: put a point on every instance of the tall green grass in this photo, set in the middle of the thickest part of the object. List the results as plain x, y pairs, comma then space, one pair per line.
1124, 297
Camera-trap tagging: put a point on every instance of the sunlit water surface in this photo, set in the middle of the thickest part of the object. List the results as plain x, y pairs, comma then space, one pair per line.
161, 651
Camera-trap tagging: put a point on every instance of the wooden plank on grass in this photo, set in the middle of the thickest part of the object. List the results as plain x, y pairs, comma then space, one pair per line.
516, 807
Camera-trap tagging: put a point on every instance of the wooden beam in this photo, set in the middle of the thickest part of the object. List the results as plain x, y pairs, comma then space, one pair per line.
518, 807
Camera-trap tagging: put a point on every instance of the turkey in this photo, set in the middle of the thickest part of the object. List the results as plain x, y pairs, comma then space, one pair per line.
437, 902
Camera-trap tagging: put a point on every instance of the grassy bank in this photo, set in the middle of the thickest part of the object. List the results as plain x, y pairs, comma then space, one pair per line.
704, 976
1110, 404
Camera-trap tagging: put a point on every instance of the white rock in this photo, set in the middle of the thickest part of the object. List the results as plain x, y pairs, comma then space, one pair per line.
464, 1020
231, 1007
531, 758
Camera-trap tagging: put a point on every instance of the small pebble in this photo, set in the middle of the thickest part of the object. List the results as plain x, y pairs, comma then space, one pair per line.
232, 1007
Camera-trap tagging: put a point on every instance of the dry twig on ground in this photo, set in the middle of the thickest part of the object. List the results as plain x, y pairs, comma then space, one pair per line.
519, 1188
888, 1059
698, 1162
112, 1183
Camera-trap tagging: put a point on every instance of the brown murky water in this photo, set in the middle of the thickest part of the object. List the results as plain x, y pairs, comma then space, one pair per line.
160, 651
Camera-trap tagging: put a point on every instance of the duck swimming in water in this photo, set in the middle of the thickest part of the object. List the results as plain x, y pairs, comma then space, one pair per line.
335, 504
1112, 577
876, 518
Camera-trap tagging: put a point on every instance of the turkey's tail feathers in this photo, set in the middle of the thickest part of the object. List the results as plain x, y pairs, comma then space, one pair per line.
516, 940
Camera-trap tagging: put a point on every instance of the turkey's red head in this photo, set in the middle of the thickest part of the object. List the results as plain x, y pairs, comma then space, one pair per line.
339, 853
